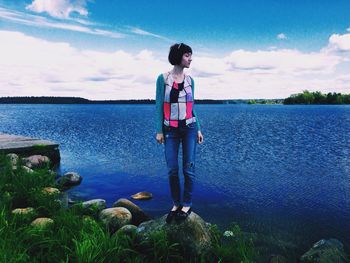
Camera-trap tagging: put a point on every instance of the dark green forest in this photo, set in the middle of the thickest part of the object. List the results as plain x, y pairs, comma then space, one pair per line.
307, 97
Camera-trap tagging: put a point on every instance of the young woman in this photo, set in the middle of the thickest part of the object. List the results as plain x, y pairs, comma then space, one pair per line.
177, 122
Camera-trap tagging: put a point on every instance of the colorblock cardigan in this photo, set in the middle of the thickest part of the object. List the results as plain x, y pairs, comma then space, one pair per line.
160, 100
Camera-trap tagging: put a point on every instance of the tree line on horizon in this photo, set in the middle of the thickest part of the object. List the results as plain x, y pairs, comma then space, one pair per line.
306, 97
79, 100
316, 97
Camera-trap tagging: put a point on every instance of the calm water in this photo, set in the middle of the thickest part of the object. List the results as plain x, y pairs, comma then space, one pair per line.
280, 171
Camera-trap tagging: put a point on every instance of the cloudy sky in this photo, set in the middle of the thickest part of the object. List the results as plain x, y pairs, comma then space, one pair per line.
102, 49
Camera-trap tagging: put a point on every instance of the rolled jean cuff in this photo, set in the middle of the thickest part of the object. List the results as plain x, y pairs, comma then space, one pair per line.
176, 203
186, 204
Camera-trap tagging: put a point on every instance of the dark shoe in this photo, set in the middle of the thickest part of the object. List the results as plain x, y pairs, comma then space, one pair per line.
181, 215
172, 214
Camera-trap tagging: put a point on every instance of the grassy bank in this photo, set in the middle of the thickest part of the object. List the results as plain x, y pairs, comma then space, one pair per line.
77, 235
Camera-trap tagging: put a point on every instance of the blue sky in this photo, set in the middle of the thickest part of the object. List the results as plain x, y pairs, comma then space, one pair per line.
249, 49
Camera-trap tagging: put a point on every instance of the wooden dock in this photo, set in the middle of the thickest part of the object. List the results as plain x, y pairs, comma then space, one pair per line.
26, 146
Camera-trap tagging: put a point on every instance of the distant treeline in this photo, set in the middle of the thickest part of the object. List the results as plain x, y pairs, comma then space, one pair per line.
307, 97
265, 101
65, 100
78, 100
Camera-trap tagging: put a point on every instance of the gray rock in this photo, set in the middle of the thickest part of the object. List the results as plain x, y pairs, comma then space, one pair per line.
115, 217
128, 230
26, 169
100, 204
193, 234
36, 161
14, 160
138, 216
326, 251
69, 180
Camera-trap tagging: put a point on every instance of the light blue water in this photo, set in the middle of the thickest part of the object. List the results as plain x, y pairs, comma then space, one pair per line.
281, 171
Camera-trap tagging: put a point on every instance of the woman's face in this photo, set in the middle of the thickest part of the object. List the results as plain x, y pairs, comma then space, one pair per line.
186, 60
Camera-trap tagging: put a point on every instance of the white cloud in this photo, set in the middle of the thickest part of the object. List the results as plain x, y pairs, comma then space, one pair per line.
39, 21
139, 31
339, 42
59, 8
35, 67
71, 24
282, 61
281, 36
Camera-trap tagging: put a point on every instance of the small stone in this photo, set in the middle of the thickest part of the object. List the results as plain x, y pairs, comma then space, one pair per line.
42, 222
51, 190
26, 169
23, 211
142, 196
13, 159
228, 233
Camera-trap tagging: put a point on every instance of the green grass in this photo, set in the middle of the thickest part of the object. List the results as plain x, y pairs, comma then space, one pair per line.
233, 245
40, 146
78, 236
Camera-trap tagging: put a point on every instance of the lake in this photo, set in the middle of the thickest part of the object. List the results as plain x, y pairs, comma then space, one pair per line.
281, 171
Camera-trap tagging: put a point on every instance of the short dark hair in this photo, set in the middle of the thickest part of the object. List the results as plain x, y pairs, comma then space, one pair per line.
176, 52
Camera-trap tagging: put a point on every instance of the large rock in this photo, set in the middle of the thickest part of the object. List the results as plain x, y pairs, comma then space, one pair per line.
192, 234
36, 161
138, 216
69, 180
115, 217
99, 204
326, 251
129, 230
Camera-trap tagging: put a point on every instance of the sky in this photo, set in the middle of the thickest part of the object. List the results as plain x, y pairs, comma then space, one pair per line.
102, 49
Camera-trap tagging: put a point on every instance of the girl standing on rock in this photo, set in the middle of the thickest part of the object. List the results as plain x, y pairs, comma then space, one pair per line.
177, 122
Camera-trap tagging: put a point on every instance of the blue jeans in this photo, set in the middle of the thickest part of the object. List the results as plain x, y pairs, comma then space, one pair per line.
187, 135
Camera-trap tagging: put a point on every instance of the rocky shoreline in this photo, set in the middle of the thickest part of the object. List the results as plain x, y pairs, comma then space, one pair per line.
124, 217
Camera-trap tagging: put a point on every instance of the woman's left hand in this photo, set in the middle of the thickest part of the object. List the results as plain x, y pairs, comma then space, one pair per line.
199, 137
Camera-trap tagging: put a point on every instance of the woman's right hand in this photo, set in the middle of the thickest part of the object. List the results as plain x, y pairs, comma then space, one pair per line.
160, 138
